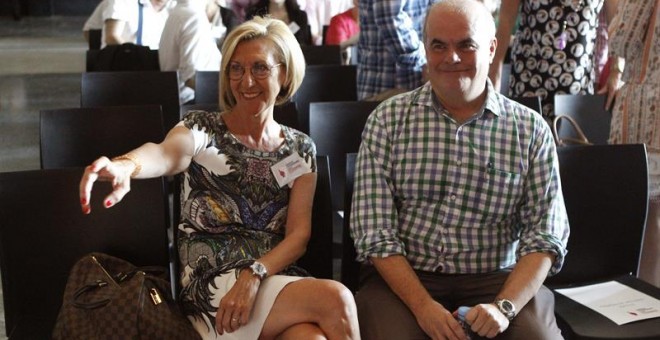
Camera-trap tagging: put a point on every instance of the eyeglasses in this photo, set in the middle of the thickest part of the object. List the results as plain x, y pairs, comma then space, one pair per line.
258, 70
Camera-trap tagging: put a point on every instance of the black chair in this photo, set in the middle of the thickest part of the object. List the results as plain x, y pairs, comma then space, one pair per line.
207, 87
76, 137
589, 113
95, 39
605, 189
504, 80
133, 88
322, 54
285, 114
318, 258
43, 233
325, 83
350, 268
125, 57
336, 128
533, 103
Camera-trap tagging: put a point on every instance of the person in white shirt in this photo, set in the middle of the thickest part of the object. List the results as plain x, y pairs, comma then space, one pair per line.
187, 44
122, 22
319, 13
95, 21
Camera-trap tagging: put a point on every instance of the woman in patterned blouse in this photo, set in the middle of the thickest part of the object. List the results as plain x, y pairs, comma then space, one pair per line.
246, 200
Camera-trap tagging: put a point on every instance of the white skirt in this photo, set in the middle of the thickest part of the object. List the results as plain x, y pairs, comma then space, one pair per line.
268, 292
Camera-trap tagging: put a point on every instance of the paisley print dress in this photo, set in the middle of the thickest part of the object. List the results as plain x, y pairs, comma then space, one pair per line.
232, 210
553, 50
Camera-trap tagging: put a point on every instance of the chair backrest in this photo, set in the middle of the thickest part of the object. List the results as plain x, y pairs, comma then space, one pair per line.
286, 114
589, 113
95, 39
75, 137
533, 103
336, 128
605, 189
133, 88
318, 258
43, 233
325, 83
322, 54
125, 57
207, 87
350, 268
504, 80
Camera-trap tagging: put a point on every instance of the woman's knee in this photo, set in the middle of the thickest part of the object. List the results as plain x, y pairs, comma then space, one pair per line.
336, 297
302, 331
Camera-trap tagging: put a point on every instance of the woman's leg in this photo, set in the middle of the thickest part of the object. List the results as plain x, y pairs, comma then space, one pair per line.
324, 303
307, 331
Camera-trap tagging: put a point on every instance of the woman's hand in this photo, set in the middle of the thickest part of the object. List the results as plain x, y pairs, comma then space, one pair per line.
614, 83
236, 306
103, 169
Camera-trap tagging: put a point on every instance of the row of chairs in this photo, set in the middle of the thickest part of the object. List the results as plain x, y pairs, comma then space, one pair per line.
131, 57
322, 83
161, 88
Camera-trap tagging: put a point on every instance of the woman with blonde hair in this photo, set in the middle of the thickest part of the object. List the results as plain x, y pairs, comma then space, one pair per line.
246, 201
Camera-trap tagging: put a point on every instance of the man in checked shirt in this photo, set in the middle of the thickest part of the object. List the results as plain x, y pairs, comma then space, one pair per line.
457, 199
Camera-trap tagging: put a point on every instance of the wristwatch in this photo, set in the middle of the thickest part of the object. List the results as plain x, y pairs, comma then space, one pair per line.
259, 270
506, 307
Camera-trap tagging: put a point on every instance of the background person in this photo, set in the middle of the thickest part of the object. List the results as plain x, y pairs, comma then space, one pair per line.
289, 12
122, 24
553, 49
635, 43
390, 48
457, 199
241, 228
187, 44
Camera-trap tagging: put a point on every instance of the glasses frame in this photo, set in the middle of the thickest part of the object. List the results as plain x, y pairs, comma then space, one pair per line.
251, 68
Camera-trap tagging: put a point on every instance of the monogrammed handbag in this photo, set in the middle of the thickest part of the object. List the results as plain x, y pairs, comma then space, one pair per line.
109, 298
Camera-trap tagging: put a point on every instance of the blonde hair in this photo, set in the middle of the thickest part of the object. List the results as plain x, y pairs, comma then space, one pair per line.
287, 52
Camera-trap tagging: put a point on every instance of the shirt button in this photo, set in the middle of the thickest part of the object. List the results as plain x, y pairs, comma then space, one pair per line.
453, 197
458, 162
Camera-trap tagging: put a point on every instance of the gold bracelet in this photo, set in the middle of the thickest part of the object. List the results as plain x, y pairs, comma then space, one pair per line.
130, 157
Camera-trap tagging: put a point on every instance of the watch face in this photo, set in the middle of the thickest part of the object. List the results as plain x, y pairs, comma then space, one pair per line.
258, 269
507, 305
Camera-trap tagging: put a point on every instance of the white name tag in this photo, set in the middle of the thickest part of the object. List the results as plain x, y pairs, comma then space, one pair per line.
289, 169
294, 27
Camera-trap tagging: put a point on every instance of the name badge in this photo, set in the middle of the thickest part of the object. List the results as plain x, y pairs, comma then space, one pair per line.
294, 27
289, 169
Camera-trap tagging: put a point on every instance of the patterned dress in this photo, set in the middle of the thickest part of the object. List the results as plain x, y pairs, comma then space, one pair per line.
553, 50
232, 210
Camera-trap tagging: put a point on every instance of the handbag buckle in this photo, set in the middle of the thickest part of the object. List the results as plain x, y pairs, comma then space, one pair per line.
155, 296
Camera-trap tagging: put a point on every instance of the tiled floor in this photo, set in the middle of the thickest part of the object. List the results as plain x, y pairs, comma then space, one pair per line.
40, 64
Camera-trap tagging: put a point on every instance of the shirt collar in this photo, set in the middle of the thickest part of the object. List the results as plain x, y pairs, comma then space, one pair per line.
426, 97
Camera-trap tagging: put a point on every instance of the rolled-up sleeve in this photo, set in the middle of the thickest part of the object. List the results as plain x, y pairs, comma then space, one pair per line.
543, 216
373, 211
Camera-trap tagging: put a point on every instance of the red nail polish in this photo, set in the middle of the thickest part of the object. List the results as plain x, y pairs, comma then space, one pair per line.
83, 201
108, 203
86, 210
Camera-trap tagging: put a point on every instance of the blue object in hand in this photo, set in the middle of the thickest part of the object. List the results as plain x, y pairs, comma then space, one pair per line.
462, 311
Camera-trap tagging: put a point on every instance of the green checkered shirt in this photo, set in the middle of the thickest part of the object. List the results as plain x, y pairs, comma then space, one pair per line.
466, 198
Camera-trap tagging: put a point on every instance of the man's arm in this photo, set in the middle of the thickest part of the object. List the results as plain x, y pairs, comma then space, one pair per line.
113, 29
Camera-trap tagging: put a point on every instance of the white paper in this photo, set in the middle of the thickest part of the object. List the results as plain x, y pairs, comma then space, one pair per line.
616, 301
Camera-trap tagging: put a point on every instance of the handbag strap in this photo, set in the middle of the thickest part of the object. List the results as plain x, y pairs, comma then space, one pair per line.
88, 288
581, 138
